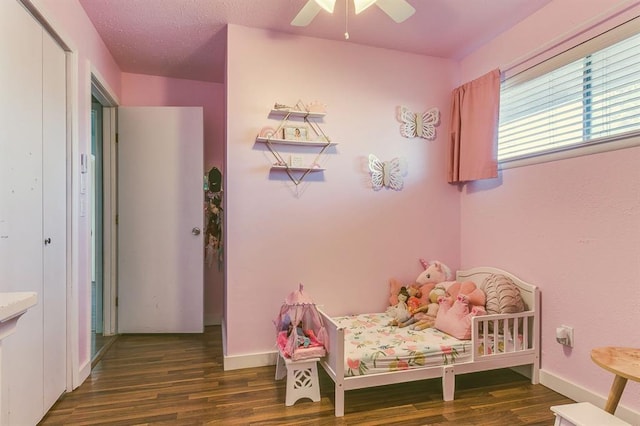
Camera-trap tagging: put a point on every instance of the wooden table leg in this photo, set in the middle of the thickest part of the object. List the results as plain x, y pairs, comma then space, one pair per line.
615, 393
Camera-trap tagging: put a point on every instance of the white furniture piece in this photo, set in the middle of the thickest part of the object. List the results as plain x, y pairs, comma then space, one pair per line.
584, 414
12, 306
481, 359
302, 378
312, 136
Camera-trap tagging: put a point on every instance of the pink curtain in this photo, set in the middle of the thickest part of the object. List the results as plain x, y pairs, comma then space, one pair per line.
474, 129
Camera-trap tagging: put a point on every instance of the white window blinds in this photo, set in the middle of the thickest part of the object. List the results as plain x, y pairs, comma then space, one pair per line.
566, 102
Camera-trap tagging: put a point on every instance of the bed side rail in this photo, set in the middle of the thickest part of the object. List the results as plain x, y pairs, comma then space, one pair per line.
501, 335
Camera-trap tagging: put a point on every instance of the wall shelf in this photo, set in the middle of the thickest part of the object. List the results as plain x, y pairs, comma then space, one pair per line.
310, 136
293, 142
298, 169
297, 113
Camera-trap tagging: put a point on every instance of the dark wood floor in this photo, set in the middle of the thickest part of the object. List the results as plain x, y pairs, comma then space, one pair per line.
179, 380
100, 344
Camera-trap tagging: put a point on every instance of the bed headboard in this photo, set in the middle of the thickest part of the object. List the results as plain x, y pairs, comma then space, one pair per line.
528, 291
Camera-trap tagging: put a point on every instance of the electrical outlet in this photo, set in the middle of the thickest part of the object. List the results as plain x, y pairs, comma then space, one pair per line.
564, 335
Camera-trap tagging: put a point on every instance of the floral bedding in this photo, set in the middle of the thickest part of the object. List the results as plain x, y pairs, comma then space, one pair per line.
372, 346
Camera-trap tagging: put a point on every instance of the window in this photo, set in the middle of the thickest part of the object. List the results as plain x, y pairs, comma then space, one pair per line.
585, 101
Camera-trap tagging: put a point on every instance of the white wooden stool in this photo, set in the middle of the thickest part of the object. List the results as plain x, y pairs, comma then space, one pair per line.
584, 414
302, 378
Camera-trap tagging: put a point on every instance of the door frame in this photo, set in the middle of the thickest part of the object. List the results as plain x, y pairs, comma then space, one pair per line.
110, 206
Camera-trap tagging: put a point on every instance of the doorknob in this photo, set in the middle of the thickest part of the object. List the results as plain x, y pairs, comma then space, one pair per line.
47, 241
195, 231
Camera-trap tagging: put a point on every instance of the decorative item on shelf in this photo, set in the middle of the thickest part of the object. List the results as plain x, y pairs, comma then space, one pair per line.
267, 132
213, 217
318, 107
418, 125
295, 133
387, 173
282, 107
296, 161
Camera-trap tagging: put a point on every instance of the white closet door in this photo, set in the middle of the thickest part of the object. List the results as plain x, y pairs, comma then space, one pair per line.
54, 220
22, 242
160, 202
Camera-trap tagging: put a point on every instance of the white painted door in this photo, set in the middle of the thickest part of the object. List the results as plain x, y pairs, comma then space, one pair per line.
21, 203
54, 147
32, 211
160, 218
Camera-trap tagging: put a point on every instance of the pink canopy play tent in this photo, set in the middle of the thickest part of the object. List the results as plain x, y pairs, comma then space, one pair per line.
301, 332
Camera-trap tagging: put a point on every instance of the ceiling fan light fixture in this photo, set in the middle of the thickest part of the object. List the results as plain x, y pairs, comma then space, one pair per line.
327, 5
361, 5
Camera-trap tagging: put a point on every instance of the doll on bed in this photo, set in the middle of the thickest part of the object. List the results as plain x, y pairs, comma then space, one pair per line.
423, 317
400, 311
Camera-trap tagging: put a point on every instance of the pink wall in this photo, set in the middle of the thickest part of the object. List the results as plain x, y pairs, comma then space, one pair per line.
337, 236
145, 90
572, 226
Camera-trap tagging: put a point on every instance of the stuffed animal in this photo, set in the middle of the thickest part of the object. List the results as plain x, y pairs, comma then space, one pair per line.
422, 318
394, 290
435, 273
461, 302
400, 311
414, 303
455, 319
301, 338
441, 273
474, 295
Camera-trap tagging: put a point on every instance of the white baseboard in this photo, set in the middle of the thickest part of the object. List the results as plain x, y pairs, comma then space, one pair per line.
237, 362
210, 319
84, 372
580, 394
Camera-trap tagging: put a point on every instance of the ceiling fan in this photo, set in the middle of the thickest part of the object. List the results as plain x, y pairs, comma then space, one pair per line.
398, 10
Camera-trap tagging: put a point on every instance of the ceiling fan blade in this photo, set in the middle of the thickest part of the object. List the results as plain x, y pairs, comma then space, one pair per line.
306, 14
361, 5
398, 10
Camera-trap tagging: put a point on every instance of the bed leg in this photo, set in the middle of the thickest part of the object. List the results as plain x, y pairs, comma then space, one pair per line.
535, 372
448, 383
339, 397
281, 368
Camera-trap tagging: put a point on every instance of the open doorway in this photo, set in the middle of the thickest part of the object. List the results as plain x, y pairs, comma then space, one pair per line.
97, 259
103, 220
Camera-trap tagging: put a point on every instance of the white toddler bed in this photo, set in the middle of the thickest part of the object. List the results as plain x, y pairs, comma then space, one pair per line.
363, 351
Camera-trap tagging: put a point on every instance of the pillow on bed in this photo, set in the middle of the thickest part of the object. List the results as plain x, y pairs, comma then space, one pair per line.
503, 296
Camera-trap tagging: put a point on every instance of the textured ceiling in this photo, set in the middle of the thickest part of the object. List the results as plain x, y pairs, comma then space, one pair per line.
186, 38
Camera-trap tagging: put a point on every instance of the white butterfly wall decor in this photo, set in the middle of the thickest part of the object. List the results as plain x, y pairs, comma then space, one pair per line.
387, 173
418, 125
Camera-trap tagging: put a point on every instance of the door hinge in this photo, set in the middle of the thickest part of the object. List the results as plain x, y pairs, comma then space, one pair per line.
117, 137
116, 301
116, 219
